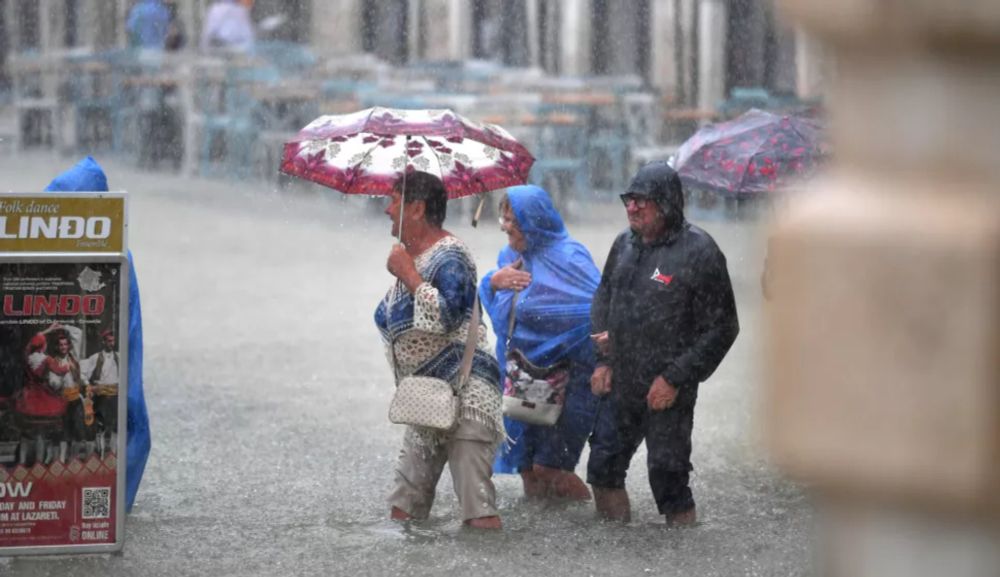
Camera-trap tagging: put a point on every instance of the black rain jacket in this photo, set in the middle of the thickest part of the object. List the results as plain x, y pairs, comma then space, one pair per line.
668, 307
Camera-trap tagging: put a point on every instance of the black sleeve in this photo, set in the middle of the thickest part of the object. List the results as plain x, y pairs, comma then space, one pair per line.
602, 297
717, 324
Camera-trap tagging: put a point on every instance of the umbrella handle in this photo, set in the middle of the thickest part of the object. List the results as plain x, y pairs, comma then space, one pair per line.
479, 210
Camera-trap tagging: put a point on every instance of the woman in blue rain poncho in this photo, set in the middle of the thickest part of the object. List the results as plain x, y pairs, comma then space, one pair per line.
87, 176
553, 278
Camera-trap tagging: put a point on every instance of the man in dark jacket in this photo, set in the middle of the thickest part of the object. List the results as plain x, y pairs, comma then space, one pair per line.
665, 317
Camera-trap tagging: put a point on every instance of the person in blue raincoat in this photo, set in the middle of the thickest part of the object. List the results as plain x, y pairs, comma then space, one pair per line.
87, 176
553, 277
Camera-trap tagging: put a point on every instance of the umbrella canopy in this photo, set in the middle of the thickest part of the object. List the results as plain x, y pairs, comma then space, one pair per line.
754, 153
365, 152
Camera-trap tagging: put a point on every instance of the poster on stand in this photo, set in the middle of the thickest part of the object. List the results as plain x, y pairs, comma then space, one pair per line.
63, 355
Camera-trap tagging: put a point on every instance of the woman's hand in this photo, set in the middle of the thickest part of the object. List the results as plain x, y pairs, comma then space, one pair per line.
602, 342
400, 264
510, 277
600, 381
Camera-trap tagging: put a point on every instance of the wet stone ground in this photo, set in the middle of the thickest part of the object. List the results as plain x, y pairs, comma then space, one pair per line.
268, 391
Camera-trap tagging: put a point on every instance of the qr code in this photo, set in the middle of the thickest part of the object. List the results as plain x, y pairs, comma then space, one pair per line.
96, 502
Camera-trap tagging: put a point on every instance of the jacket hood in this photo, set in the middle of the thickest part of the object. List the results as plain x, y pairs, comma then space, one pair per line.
658, 181
85, 176
537, 218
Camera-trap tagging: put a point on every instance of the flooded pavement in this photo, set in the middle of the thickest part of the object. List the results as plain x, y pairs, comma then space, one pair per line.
268, 392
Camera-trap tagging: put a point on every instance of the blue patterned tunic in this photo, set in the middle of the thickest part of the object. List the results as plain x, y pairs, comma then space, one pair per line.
429, 329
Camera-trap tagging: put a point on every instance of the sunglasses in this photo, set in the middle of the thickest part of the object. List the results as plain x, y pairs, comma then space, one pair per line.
638, 201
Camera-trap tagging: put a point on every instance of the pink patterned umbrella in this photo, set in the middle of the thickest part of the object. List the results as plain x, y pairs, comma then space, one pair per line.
365, 152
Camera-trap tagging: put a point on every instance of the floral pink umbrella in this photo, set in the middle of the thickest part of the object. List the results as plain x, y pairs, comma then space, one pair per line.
365, 152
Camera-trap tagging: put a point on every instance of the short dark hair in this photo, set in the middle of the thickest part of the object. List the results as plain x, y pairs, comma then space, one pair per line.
428, 188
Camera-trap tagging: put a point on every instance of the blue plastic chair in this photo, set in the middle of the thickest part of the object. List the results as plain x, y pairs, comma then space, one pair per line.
290, 57
561, 151
232, 124
608, 145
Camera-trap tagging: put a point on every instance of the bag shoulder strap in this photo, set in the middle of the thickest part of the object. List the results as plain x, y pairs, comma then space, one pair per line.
510, 318
470, 345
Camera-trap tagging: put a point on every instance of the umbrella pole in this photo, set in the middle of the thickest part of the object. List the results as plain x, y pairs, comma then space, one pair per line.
402, 194
402, 203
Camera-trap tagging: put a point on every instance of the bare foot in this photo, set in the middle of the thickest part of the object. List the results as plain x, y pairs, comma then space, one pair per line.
684, 518
570, 487
398, 514
612, 504
534, 488
485, 523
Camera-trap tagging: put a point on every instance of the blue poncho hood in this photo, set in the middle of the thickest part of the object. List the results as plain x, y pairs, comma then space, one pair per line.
87, 176
553, 313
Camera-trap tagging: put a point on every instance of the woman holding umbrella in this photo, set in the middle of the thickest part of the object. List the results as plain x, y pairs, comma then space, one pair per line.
424, 320
426, 317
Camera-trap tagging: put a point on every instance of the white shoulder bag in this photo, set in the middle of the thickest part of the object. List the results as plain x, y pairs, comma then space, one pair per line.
429, 401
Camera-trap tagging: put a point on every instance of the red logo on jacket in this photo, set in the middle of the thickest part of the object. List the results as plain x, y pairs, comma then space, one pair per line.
661, 278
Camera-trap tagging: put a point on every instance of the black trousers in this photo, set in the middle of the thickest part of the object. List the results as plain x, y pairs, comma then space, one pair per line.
623, 424
106, 409
75, 423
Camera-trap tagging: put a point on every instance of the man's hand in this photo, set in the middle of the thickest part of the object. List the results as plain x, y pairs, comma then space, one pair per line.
602, 342
400, 264
600, 381
510, 277
662, 395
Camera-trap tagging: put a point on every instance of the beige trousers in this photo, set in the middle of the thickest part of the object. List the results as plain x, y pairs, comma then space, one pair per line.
468, 451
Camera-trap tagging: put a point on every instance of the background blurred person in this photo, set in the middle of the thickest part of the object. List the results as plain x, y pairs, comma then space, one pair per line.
148, 23
228, 26
88, 176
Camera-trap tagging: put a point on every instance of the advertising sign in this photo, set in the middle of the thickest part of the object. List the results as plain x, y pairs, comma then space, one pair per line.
63, 355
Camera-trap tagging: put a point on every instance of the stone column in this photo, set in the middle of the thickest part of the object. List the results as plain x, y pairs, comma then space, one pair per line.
416, 50
45, 26
120, 34
336, 27
574, 34
533, 15
13, 20
87, 24
623, 44
663, 56
711, 53
883, 389
459, 30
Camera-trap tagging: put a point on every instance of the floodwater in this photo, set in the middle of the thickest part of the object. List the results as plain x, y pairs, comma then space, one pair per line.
268, 392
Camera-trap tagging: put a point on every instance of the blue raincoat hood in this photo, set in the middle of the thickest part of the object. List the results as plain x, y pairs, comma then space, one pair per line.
537, 218
88, 176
